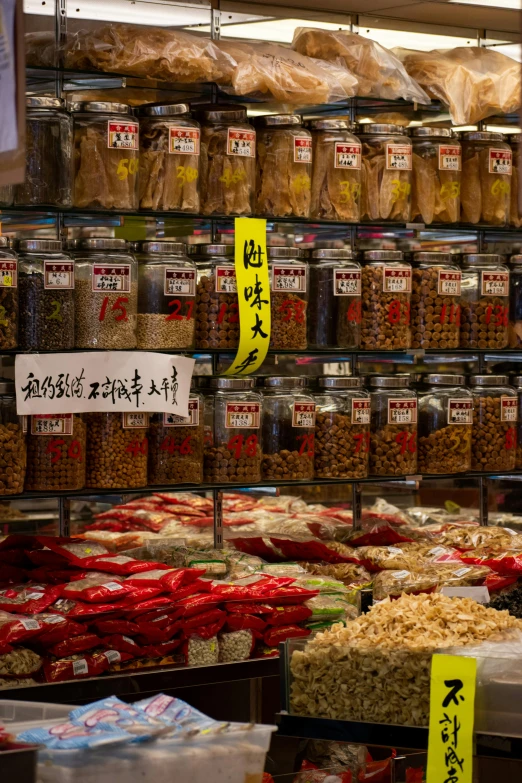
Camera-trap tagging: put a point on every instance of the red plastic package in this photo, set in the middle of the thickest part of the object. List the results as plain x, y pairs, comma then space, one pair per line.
286, 615
249, 608
414, 774
14, 557
11, 575
181, 577
76, 550
258, 547
16, 630
276, 634
290, 595
185, 499
204, 631
97, 588
152, 634
138, 595
377, 534
498, 582
20, 541
150, 579
312, 550
506, 563
58, 630
227, 592
107, 627
46, 557
74, 667
204, 618
197, 603
262, 651
310, 773
241, 622
159, 618
161, 649
118, 641
56, 576
123, 565
78, 609
73, 645
28, 599
198, 586
160, 601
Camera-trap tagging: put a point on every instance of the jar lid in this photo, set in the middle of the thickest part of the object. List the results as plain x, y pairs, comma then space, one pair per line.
40, 244
330, 252
399, 381
221, 113
423, 131
163, 109
515, 138
340, 382
7, 386
4, 242
328, 124
482, 136
379, 128
104, 243
515, 259
516, 380
101, 107
163, 246
383, 255
212, 250
431, 257
285, 252
278, 120
444, 380
285, 382
72, 244
232, 383
488, 380
44, 102
477, 259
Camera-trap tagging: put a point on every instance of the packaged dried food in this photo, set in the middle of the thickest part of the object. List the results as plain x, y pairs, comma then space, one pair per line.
8, 296
284, 166
437, 171
386, 173
169, 158
48, 172
487, 164
117, 448
74, 644
289, 287
445, 425
435, 301
484, 315
28, 598
106, 295
334, 311
55, 452
106, 156
13, 461
19, 663
516, 200
176, 446
276, 634
236, 645
337, 171
393, 435
217, 308
75, 666
394, 583
517, 383
495, 415
96, 588
386, 297
46, 291
228, 160
515, 302
288, 430
15, 630
201, 652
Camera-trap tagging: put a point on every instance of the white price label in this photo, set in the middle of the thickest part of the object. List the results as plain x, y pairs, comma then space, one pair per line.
346, 282
495, 283
80, 667
347, 156
396, 279
113, 587
361, 411
59, 424
180, 282
398, 157
58, 274
123, 135
508, 409
131, 421
302, 149
241, 142
450, 158
242, 415
192, 420
107, 278
289, 278
500, 161
303, 414
183, 141
460, 411
402, 411
449, 283
226, 282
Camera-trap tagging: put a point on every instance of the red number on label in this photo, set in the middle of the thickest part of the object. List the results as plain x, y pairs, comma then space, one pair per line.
75, 450
54, 448
299, 307
455, 314
117, 306
170, 445
174, 315
354, 313
287, 309
394, 311
511, 439
138, 447
407, 441
307, 444
235, 445
362, 440
190, 308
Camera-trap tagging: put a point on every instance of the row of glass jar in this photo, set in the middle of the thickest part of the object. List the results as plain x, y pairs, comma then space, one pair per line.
103, 156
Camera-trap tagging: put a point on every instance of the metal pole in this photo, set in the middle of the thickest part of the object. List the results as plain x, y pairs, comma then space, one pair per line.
60, 38
64, 516
483, 500
218, 518
356, 506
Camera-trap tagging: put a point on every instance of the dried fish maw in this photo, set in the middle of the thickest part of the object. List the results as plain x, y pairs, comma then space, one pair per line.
376, 168
496, 190
471, 194
243, 173
388, 192
364, 189
91, 184
190, 198
343, 188
516, 208
283, 185
401, 209
447, 205
173, 183
152, 179
424, 187
320, 167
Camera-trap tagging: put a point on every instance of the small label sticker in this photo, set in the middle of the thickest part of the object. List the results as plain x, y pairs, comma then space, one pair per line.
192, 420
58, 274
395, 550
130, 641
123, 135
495, 283
111, 278
303, 414
8, 274
450, 158
80, 667
347, 156
245, 414
402, 411
183, 141
180, 282
461, 571
400, 574
361, 411
346, 282
449, 283
508, 409
437, 551
241, 142
24, 424
52, 424
396, 279
500, 161
112, 656
289, 278
132, 421
30, 625
113, 587
460, 411
226, 279
302, 150
398, 156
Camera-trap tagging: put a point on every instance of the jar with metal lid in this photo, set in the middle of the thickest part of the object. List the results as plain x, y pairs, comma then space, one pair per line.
386, 296
515, 302
235, 453
8, 296
484, 302
217, 307
6, 195
48, 172
106, 295
445, 424
437, 171
283, 166
289, 297
337, 171
46, 290
166, 296
517, 383
515, 142
117, 450
334, 310
169, 158
486, 178
342, 428
288, 430
55, 452
13, 450
228, 160
393, 429
435, 301
495, 417
386, 172
176, 445
106, 155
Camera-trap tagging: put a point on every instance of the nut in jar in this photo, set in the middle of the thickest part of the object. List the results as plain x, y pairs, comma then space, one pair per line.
55, 452
217, 307
435, 301
176, 446
117, 448
342, 428
485, 302
289, 298
517, 383
288, 429
393, 435
445, 425
495, 416
386, 295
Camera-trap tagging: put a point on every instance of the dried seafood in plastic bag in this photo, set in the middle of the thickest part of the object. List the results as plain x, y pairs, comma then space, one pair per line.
283, 179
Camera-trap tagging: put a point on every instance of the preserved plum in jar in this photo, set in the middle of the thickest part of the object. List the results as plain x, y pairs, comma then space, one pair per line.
386, 297
288, 430
495, 416
334, 309
435, 301
484, 314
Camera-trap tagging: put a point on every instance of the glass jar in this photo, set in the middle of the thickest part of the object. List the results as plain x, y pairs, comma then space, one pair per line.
486, 178
289, 297
495, 416
337, 171
217, 307
169, 158
106, 156
228, 161
386, 297
515, 302
13, 450
445, 424
386, 173
435, 301
176, 445
284, 166
342, 428
46, 291
235, 452
48, 173
484, 303
517, 383
288, 430
106, 295
55, 452
8, 296
393, 431
437, 171
117, 448
334, 311
6, 195
516, 202
166, 296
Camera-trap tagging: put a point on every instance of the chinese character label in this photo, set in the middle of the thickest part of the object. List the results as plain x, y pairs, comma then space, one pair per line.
346, 282
500, 161
289, 278
192, 420
183, 141
402, 411
246, 414
449, 283
449, 158
241, 142
396, 279
302, 150
226, 282
132, 421
398, 156
460, 411
508, 409
58, 274
361, 411
181, 282
303, 414
123, 135
347, 156
111, 278
57, 424
495, 283
8, 274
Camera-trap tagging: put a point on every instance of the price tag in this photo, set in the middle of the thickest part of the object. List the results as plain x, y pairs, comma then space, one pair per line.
131, 421
495, 283
398, 157
245, 414
347, 156
361, 411
8, 274
123, 135
58, 274
181, 282
302, 150
57, 424
478, 594
226, 282
450, 158
402, 411
508, 409
303, 414
183, 141
396, 279
112, 656
241, 142
449, 283
192, 420
80, 667
452, 713
460, 411
289, 278
346, 282
111, 278
500, 161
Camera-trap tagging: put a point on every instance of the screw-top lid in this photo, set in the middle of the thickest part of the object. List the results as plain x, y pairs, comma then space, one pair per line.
383, 255
101, 107
338, 254
328, 124
488, 380
278, 120
478, 259
4, 242
232, 383
379, 128
282, 382
340, 382
285, 252
428, 257
515, 138
163, 109
516, 259
212, 250
220, 113
104, 243
516, 380
399, 381
163, 246
7, 386
29, 245
43, 102
482, 136
423, 131
437, 379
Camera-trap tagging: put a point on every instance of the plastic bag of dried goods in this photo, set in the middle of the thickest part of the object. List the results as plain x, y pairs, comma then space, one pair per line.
236, 646
240, 622
379, 72
79, 610
160, 649
97, 588
456, 575
258, 546
16, 629
123, 565
473, 81
507, 563
199, 651
55, 628
331, 607
349, 574
288, 615
312, 549
75, 550
379, 533
20, 662
29, 598
74, 644
116, 713
394, 583
277, 634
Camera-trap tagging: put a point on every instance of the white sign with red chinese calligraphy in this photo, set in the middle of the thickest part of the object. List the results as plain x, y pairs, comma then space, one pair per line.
508, 408
180, 281
398, 157
58, 274
289, 278
449, 158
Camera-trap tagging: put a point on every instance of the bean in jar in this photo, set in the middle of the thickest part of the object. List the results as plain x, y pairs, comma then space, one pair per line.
445, 425
484, 302
117, 448
55, 452
342, 428
487, 163
386, 172
386, 296
288, 430
337, 171
515, 302
495, 415
435, 301
13, 450
176, 446
516, 201
217, 307
517, 383
8, 296
234, 455
393, 433
437, 170
289, 298
334, 311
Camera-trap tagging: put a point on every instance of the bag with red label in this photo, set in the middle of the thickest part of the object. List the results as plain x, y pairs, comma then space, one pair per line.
277, 634
199, 586
28, 599
495, 582
78, 609
262, 651
258, 546
289, 595
311, 549
15, 557
74, 550
194, 502
182, 577
240, 622
96, 588
379, 534
122, 644
57, 630
76, 644
56, 576
147, 605
286, 615
249, 608
160, 649
75, 667
204, 618
16, 630
20, 541
196, 604
123, 565
46, 557
207, 631
107, 627
505, 563
159, 618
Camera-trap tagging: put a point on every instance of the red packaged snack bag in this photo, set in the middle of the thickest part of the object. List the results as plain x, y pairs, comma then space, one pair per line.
96, 588
11, 575
74, 667
311, 549
181, 577
285, 615
249, 608
14, 557
203, 631
107, 627
258, 547
204, 618
76, 550
122, 644
46, 557
195, 604
227, 592
28, 599
377, 534
123, 565
194, 502
56, 576
199, 586
138, 595
290, 595
134, 610
59, 629
276, 634
160, 649
159, 618
76, 644
496, 582
19, 541
241, 622
151, 634
78, 609
150, 579
16, 630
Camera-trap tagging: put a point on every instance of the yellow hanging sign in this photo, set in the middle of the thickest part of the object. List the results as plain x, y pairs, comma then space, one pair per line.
253, 290
452, 713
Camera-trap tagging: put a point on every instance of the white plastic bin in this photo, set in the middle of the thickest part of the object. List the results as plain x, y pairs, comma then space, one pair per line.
33, 712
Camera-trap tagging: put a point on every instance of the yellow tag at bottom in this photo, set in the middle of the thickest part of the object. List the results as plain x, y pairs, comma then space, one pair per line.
452, 714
